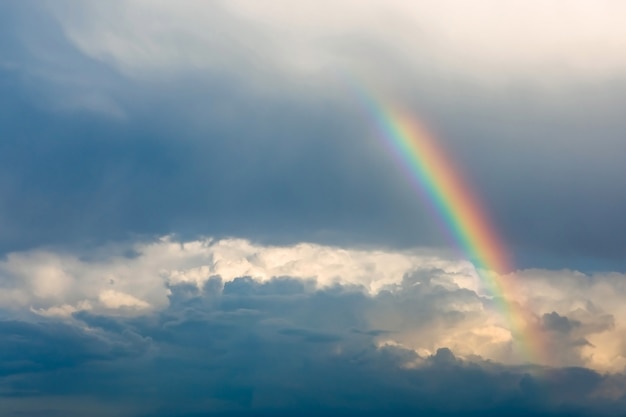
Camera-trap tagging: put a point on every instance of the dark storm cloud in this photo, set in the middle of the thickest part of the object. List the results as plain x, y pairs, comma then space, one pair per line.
47, 346
277, 347
546, 164
555, 322
90, 154
193, 157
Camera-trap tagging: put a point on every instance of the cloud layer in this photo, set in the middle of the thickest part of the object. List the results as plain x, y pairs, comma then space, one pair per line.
419, 300
177, 328
484, 40
131, 130
246, 105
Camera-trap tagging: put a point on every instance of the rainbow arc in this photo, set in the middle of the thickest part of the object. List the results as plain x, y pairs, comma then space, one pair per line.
435, 178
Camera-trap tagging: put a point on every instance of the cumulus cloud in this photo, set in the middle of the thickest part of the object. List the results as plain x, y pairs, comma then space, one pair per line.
421, 300
324, 340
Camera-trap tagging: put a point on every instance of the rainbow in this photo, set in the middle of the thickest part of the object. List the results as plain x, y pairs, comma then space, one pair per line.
432, 175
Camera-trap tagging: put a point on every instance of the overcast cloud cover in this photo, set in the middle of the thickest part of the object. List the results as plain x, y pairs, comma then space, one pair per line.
196, 217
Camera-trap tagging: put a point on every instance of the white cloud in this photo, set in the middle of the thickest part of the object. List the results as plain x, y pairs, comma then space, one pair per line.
64, 310
421, 299
116, 300
483, 40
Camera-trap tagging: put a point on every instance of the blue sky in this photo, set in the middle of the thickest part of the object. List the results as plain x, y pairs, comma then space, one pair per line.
192, 189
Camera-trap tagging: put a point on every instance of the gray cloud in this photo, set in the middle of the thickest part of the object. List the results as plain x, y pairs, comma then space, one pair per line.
92, 154
251, 348
122, 123
423, 299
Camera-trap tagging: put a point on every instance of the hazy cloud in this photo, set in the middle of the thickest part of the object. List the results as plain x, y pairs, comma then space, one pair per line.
246, 105
484, 40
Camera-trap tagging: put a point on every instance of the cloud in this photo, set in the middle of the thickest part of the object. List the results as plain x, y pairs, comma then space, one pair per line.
242, 104
49, 345
420, 300
129, 120
484, 41
115, 299
246, 346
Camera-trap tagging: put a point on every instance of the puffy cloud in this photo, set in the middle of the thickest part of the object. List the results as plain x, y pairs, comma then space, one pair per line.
253, 347
421, 300
110, 274
115, 299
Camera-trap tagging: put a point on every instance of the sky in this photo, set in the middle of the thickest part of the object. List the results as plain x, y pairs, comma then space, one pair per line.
199, 216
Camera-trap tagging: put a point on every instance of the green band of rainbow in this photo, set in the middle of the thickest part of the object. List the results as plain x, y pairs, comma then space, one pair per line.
434, 177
